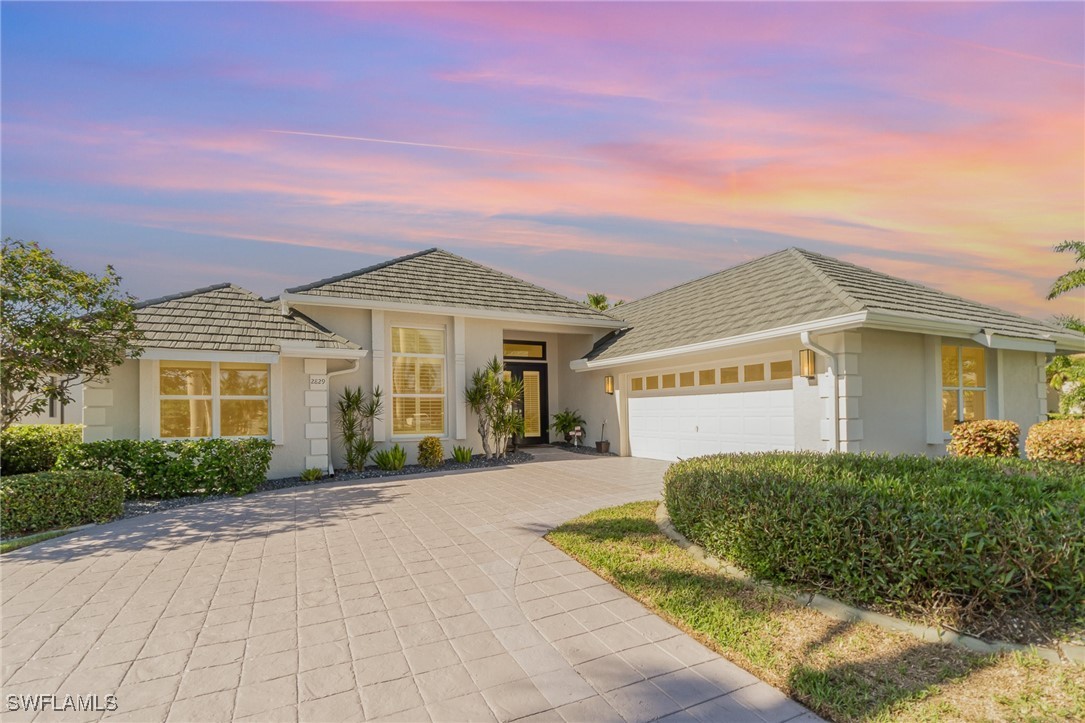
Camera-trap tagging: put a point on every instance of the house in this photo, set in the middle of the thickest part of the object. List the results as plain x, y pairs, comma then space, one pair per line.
794, 350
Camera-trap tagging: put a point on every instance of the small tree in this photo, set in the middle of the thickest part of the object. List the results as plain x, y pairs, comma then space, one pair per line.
493, 396
1067, 374
58, 325
357, 412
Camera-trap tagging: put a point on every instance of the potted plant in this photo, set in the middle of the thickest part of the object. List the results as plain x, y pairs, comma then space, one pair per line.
603, 445
565, 422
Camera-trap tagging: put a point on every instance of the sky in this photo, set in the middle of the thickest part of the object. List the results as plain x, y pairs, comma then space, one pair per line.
611, 147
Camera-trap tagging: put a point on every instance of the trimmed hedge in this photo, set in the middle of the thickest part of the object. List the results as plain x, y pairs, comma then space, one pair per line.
26, 448
430, 452
163, 470
53, 500
1062, 440
968, 536
985, 438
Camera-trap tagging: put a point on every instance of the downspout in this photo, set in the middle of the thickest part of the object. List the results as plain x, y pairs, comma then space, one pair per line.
830, 359
355, 366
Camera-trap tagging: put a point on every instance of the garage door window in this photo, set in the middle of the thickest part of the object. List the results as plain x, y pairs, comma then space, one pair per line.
685, 379
753, 373
780, 370
706, 377
729, 375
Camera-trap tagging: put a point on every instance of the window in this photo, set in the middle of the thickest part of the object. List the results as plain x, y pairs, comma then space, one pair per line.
651, 382
525, 350
418, 381
706, 377
668, 381
964, 385
637, 384
212, 399
685, 379
780, 370
753, 373
729, 375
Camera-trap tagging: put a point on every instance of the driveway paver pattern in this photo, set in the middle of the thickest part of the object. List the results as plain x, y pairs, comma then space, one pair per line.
411, 599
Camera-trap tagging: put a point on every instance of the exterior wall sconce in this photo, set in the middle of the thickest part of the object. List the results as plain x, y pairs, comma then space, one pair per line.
608, 384
806, 364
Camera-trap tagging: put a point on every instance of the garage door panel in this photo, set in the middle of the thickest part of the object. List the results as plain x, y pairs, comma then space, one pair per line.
688, 425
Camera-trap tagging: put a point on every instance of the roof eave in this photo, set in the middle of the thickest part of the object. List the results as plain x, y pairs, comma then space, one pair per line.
828, 325
287, 300
921, 324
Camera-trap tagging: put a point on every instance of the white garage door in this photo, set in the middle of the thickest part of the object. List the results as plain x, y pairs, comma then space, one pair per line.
688, 425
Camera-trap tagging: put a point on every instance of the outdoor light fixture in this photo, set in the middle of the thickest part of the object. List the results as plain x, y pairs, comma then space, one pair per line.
806, 363
608, 384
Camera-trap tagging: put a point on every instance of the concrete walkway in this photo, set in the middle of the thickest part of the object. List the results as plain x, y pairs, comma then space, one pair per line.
410, 599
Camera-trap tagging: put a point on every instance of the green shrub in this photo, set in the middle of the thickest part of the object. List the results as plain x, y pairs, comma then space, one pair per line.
463, 455
971, 535
163, 470
985, 438
26, 448
312, 474
390, 460
1062, 440
430, 452
52, 500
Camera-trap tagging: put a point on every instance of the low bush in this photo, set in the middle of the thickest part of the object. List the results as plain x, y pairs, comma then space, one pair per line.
313, 474
26, 448
462, 455
985, 438
964, 537
430, 452
163, 470
1061, 439
53, 500
392, 459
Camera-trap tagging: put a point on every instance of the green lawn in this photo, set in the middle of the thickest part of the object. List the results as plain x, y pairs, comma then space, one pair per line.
843, 671
21, 542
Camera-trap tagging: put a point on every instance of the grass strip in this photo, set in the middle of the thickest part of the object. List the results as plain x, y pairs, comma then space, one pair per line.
20, 542
843, 671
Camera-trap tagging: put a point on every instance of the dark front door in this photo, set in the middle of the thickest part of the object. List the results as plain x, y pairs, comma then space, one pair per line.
534, 402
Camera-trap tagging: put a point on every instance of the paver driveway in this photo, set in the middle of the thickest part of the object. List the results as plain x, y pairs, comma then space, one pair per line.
402, 599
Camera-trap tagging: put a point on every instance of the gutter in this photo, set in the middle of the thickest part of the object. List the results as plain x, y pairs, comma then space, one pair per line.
830, 358
355, 366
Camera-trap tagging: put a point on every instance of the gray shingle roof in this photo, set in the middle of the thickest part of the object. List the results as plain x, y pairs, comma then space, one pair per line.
439, 278
790, 287
225, 317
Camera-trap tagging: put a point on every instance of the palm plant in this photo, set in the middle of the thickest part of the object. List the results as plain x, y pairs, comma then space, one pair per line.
493, 396
1067, 374
357, 412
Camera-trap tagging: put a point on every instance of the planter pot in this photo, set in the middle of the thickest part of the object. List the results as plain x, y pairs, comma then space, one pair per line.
568, 437
602, 447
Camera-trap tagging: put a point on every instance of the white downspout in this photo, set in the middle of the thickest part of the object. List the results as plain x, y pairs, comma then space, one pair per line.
355, 366
830, 359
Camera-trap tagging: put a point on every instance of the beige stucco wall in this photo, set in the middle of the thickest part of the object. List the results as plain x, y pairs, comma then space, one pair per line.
72, 412
893, 405
1024, 389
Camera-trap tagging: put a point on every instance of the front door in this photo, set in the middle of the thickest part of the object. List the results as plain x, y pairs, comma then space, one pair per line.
534, 402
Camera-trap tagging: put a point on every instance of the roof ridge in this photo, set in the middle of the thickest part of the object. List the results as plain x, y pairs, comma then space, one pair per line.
707, 276
182, 294
524, 281
804, 257
925, 287
361, 271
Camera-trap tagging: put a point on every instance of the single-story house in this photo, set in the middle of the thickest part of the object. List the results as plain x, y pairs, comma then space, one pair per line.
794, 350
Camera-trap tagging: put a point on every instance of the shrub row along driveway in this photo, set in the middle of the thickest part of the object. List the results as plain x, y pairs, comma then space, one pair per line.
415, 599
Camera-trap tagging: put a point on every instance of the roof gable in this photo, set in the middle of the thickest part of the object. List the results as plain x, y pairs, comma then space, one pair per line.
436, 277
225, 317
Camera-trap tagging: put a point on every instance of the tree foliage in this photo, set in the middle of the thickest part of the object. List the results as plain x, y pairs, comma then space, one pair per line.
58, 325
600, 302
493, 396
1067, 374
357, 412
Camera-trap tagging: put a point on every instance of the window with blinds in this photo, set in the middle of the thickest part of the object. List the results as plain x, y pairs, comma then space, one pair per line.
418, 381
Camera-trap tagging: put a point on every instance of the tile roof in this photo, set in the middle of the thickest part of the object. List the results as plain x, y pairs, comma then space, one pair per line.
438, 278
790, 287
225, 317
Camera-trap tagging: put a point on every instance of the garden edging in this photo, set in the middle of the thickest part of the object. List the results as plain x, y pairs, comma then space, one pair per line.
1065, 654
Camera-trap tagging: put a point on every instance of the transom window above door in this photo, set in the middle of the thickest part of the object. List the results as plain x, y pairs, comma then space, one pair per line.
535, 350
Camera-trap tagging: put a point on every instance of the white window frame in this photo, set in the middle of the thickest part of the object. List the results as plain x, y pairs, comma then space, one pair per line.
216, 399
443, 328
960, 389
